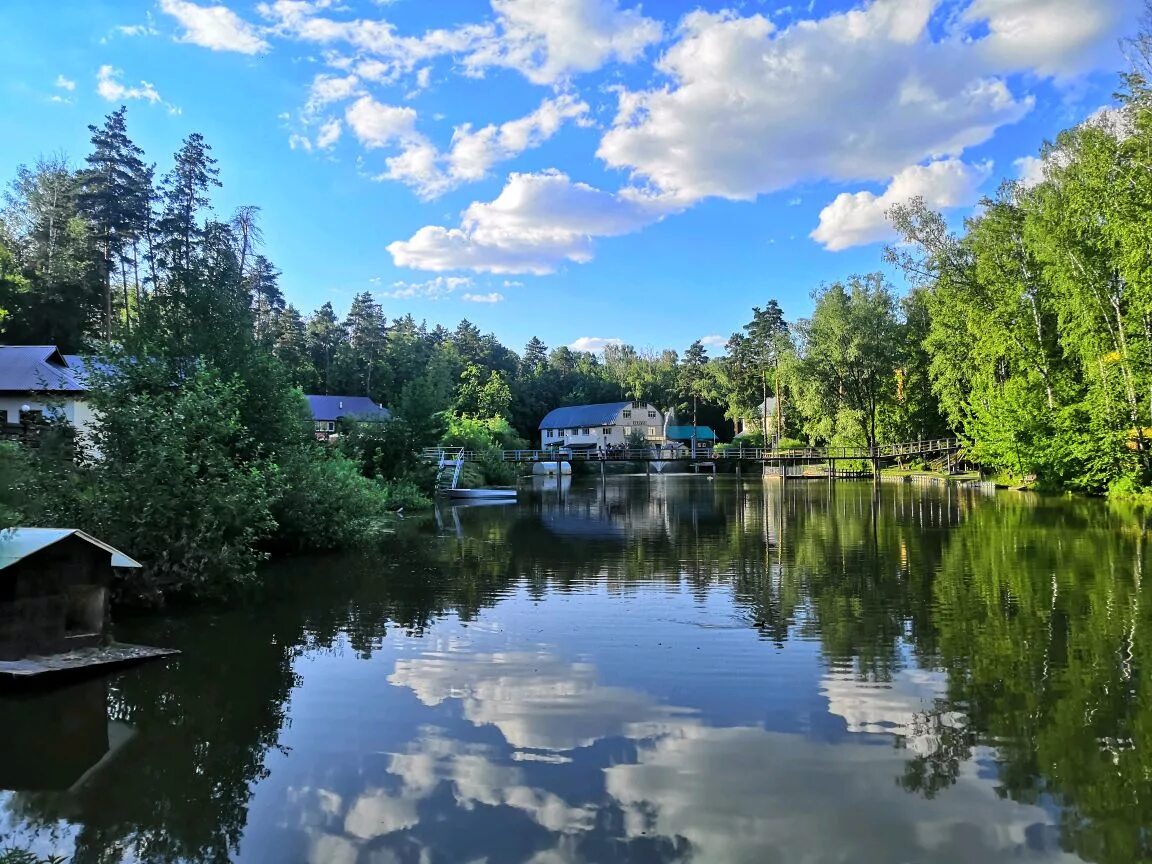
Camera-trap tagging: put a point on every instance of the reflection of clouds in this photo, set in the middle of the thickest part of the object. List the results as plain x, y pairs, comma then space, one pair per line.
905, 706
536, 700
747, 795
739, 794
340, 828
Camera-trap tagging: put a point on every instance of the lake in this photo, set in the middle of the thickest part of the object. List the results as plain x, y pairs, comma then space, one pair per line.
675, 669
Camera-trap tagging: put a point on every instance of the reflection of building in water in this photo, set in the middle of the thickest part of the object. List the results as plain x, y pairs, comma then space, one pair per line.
57, 740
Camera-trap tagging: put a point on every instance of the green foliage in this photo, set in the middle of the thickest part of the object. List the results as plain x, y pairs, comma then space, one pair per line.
20, 856
175, 480
325, 503
15, 481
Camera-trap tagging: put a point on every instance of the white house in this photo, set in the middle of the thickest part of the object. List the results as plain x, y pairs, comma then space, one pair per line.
587, 427
37, 381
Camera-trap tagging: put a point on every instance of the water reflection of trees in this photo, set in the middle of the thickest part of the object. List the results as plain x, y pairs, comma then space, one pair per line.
1033, 608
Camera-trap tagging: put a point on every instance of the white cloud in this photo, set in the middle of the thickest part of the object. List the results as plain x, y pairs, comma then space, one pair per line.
433, 289
329, 134
853, 96
595, 344
1051, 37
512, 283
536, 700
65, 83
377, 125
713, 341
214, 27
473, 152
544, 40
536, 224
547, 40
110, 87
860, 218
1030, 170
327, 89
491, 297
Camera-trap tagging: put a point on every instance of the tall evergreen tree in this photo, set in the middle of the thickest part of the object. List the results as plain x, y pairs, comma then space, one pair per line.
324, 338
116, 195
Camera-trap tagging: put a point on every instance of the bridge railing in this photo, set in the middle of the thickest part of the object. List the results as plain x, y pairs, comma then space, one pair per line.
679, 454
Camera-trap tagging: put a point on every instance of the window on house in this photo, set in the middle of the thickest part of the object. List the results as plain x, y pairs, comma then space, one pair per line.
637, 404
585, 431
548, 433
627, 415
652, 415
607, 430
3, 417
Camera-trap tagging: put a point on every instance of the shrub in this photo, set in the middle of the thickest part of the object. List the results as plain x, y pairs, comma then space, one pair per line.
325, 503
171, 485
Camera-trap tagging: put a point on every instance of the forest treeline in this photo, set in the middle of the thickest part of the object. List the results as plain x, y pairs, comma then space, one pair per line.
1028, 334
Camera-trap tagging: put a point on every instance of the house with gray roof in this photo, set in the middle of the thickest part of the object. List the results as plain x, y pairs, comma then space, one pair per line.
37, 382
328, 411
601, 426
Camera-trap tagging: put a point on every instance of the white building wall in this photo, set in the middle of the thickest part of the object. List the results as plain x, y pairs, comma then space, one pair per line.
76, 411
646, 419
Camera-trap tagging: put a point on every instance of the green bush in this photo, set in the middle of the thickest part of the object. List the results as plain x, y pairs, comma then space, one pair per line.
325, 503
173, 484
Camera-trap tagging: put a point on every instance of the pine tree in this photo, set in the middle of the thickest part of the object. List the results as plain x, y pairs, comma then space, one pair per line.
115, 195
324, 337
535, 356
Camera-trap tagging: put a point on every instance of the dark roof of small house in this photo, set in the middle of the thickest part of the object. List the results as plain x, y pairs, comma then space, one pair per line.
684, 433
16, 544
337, 407
25, 368
575, 416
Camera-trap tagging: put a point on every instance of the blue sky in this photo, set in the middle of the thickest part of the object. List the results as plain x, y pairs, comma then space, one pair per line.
580, 170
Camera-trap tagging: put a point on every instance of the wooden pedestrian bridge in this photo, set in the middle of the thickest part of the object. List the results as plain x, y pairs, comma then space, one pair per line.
883, 453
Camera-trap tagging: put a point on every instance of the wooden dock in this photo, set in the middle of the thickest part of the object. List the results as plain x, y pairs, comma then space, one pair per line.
939, 447
84, 661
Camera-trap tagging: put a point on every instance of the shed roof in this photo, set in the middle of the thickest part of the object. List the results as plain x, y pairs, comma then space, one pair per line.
684, 433
574, 416
36, 367
337, 407
16, 544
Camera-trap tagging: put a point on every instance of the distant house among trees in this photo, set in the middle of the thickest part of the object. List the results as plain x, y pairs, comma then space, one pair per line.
753, 424
609, 424
37, 382
329, 411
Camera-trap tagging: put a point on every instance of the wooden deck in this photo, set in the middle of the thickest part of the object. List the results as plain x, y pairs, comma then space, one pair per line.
84, 661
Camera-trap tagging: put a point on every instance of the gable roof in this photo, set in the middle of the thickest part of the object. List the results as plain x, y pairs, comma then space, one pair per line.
684, 433
574, 416
26, 368
16, 544
337, 407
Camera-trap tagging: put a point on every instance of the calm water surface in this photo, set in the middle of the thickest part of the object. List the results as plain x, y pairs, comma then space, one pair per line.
648, 671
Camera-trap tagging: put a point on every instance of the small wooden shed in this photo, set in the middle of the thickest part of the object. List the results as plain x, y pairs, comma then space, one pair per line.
54, 590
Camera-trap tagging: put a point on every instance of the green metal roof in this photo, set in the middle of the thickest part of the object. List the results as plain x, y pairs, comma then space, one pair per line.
684, 433
16, 544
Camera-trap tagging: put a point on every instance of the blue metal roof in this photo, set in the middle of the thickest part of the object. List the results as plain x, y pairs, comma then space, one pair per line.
684, 433
36, 367
575, 416
337, 407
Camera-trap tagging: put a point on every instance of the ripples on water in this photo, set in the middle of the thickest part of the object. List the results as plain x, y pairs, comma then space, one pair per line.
645, 671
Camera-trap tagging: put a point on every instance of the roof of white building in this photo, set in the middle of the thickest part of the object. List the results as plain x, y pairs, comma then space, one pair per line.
574, 416
16, 544
25, 368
